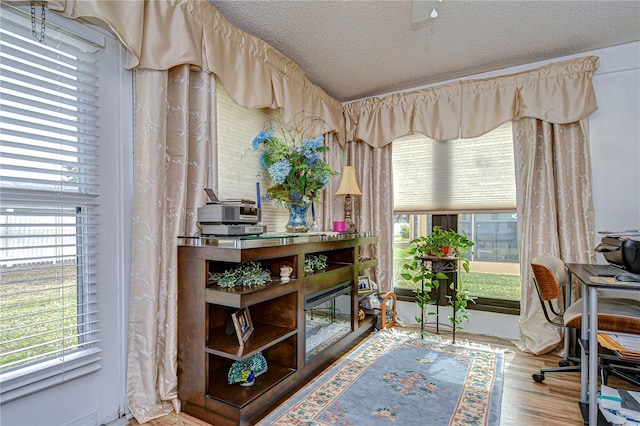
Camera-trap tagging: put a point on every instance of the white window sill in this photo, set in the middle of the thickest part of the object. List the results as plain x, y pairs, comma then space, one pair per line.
34, 378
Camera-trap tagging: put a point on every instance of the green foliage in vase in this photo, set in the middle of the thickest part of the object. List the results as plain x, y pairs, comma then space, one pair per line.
244, 275
292, 161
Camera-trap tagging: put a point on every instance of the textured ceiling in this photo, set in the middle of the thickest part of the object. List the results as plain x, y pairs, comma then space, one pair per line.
356, 49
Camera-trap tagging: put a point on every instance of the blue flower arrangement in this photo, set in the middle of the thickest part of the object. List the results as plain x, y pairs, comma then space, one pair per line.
292, 160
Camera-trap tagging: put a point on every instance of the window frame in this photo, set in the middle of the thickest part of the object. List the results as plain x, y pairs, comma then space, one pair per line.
107, 357
482, 303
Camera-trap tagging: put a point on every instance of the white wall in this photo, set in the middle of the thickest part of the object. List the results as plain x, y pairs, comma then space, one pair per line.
614, 137
614, 133
488, 323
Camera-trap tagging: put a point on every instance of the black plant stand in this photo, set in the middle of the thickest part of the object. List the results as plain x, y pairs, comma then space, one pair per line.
448, 266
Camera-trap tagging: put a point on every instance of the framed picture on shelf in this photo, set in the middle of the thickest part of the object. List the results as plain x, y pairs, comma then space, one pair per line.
364, 285
242, 324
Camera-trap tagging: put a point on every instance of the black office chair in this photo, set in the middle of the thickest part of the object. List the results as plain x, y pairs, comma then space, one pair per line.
617, 315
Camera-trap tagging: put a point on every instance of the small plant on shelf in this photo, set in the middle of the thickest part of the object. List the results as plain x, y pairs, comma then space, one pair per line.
422, 270
313, 263
244, 275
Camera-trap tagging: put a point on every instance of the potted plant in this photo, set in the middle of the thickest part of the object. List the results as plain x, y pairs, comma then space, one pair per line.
431, 260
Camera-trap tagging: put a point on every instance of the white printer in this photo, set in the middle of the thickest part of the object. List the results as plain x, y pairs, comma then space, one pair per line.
229, 217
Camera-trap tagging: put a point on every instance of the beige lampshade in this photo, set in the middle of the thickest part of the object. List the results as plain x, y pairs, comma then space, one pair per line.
348, 183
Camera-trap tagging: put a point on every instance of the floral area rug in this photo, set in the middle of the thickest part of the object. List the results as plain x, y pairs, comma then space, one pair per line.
398, 378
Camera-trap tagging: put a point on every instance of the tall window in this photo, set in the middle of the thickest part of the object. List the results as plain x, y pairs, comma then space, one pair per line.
49, 195
471, 181
238, 165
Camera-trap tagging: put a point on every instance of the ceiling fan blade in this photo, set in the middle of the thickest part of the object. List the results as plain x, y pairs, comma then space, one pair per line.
419, 11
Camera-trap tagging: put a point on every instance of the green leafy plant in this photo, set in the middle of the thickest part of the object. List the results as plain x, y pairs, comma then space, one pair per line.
422, 270
244, 275
316, 262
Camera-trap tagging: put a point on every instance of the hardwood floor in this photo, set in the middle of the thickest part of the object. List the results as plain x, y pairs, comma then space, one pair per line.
524, 402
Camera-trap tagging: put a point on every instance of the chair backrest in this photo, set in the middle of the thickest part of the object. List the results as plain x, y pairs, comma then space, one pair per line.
549, 273
546, 282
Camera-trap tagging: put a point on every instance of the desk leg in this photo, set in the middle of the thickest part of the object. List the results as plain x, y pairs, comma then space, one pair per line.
584, 336
593, 355
567, 333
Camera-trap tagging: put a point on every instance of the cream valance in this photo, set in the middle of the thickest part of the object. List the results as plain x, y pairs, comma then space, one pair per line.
557, 93
162, 34
159, 35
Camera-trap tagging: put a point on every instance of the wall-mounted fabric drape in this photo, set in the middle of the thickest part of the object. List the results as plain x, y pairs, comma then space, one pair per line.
172, 151
159, 35
373, 211
559, 93
555, 212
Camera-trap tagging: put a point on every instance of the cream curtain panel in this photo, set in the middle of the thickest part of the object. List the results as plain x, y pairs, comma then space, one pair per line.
374, 209
159, 35
557, 93
555, 212
174, 131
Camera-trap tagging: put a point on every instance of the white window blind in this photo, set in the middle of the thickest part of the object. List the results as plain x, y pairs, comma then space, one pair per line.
458, 176
238, 165
48, 199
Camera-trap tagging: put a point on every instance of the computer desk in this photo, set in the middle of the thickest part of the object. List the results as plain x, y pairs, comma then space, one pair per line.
589, 337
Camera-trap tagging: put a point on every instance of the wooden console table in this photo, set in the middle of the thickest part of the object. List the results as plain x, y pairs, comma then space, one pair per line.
206, 351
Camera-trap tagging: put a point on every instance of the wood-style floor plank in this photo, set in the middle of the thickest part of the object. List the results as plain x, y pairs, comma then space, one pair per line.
524, 402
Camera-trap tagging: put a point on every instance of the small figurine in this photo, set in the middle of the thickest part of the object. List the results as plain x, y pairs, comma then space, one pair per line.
245, 372
285, 273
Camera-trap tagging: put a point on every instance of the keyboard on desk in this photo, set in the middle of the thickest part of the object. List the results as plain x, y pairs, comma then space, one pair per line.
603, 270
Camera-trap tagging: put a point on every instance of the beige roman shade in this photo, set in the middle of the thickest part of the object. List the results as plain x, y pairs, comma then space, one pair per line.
457, 176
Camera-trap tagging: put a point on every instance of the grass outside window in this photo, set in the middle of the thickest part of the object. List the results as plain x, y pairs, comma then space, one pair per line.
39, 315
488, 285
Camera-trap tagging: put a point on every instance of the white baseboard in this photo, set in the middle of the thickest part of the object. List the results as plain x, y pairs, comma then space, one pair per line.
122, 421
87, 419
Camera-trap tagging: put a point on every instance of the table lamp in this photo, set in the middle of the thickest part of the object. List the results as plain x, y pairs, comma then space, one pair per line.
348, 187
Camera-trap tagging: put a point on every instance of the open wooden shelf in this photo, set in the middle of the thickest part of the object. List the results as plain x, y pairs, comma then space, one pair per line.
367, 263
368, 321
263, 337
335, 273
239, 396
238, 297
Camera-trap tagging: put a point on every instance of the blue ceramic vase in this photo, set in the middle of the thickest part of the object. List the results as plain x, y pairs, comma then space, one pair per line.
298, 219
